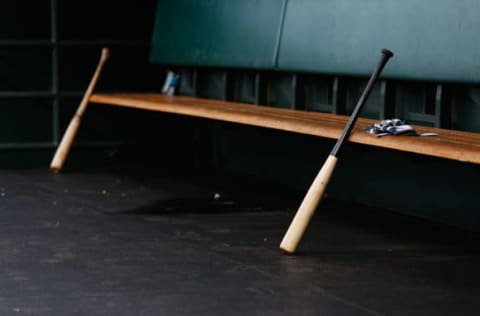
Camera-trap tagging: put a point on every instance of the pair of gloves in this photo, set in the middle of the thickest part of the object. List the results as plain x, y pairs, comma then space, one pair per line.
394, 127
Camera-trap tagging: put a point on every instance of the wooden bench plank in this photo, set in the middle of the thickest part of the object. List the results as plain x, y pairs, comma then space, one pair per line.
451, 144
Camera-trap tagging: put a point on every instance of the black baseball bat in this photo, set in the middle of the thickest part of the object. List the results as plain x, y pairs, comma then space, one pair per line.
315, 193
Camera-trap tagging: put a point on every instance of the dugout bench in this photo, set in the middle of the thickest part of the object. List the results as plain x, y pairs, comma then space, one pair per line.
297, 66
323, 37
450, 144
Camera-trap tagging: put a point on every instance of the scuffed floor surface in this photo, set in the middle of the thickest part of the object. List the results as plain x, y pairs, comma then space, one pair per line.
118, 244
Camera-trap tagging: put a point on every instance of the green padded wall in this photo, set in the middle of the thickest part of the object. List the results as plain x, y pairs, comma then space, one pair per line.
240, 33
432, 40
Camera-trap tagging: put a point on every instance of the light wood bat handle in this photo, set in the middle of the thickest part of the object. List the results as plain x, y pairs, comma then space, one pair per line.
309, 205
67, 140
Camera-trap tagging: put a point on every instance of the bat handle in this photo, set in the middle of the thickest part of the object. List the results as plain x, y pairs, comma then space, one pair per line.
309, 205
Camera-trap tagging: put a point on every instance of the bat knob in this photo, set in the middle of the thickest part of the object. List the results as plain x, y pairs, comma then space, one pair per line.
387, 53
105, 53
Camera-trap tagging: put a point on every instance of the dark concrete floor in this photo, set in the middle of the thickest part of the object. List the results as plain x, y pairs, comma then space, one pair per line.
95, 243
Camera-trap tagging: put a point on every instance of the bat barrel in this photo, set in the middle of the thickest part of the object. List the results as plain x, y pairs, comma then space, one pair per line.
309, 205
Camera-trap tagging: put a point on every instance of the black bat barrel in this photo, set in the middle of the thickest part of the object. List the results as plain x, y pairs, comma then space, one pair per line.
386, 55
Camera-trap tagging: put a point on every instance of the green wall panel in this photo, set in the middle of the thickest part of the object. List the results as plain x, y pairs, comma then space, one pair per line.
244, 86
467, 109
25, 68
25, 19
240, 33
432, 40
211, 84
280, 90
25, 120
127, 69
113, 20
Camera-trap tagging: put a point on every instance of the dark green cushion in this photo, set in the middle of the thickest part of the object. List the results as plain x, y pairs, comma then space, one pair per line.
239, 33
431, 39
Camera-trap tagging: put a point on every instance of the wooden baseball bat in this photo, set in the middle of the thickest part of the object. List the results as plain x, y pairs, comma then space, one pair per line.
67, 140
315, 193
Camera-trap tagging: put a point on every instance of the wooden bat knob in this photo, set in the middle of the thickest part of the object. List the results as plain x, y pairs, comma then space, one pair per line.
105, 53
